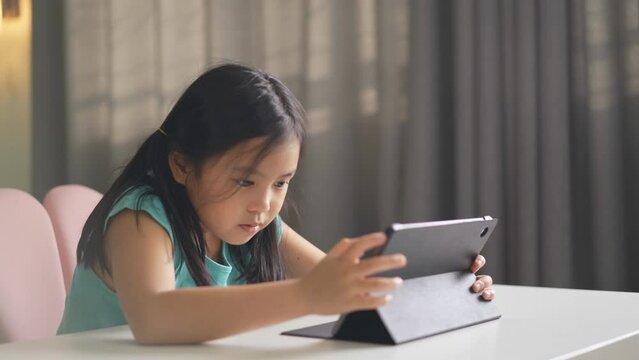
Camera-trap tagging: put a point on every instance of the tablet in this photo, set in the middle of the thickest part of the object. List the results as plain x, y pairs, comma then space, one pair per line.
436, 247
436, 296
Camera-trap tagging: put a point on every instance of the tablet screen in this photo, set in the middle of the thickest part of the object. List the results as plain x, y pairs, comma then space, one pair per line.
436, 247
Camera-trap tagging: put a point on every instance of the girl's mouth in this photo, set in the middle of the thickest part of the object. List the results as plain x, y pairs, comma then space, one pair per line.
250, 228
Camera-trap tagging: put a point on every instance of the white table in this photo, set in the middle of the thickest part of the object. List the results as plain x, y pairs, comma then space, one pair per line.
536, 323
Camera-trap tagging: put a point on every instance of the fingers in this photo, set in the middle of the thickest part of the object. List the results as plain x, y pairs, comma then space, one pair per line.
479, 262
488, 294
379, 284
363, 290
379, 264
340, 247
486, 279
482, 285
370, 302
482, 282
360, 245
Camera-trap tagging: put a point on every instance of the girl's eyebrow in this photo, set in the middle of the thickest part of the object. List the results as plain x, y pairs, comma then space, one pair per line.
254, 171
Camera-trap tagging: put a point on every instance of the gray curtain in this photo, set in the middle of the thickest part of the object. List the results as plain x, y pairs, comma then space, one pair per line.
528, 111
418, 110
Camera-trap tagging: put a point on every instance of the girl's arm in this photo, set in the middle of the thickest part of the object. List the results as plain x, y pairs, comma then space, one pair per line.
300, 256
141, 262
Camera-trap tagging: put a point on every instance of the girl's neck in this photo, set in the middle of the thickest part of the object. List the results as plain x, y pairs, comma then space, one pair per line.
213, 248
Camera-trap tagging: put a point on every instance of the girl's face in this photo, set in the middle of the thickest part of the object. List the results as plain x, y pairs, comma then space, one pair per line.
233, 206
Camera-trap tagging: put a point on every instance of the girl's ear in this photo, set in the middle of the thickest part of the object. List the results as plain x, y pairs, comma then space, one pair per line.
180, 167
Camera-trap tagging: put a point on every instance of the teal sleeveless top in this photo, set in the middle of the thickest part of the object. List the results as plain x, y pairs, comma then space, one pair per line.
91, 304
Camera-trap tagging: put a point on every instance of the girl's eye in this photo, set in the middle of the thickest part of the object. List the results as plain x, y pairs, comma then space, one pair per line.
281, 184
244, 182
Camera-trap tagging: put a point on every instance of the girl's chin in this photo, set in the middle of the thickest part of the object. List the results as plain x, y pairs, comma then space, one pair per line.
239, 239
238, 242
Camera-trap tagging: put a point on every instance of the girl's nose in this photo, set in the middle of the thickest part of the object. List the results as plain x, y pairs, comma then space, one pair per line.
262, 203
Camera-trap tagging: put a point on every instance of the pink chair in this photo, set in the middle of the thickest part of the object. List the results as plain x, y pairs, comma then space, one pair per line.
69, 206
31, 285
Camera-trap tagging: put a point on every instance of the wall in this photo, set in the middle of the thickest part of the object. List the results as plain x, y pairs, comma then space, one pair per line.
15, 99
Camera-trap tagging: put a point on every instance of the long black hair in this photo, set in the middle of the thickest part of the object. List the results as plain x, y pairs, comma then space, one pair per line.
225, 106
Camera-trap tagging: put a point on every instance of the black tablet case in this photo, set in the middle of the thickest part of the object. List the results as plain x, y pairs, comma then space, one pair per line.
436, 295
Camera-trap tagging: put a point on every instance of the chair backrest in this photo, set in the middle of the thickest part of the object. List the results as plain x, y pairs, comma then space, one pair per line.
31, 286
69, 206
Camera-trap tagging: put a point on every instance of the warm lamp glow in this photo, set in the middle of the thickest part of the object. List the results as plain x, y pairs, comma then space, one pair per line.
15, 17
10, 9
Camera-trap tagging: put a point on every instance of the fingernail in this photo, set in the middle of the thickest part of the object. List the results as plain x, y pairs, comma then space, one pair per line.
388, 297
400, 258
477, 285
398, 281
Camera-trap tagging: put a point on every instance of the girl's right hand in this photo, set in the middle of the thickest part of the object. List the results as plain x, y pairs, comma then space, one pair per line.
341, 282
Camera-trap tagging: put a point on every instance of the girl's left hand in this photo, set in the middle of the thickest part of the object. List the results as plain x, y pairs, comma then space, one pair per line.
484, 282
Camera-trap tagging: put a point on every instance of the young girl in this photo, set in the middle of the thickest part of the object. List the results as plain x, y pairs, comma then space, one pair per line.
187, 244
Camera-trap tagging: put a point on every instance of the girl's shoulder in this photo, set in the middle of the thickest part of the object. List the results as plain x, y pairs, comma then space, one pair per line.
137, 198
141, 198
